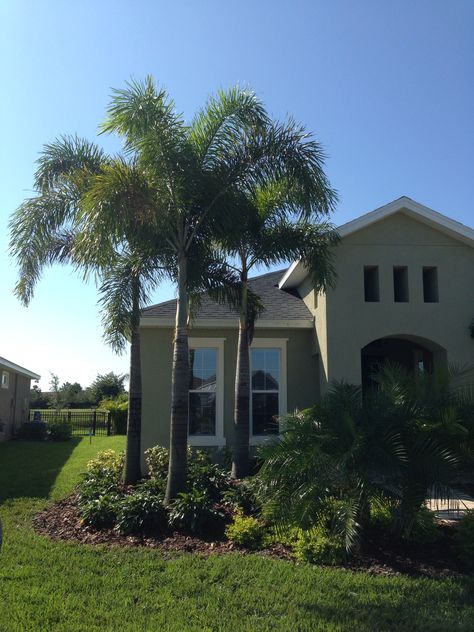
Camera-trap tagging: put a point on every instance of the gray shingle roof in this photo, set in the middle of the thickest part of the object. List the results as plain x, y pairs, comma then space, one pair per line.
279, 304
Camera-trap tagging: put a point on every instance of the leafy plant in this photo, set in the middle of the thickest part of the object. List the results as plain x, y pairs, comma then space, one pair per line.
141, 511
465, 539
60, 430
99, 509
194, 511
318, 546
107, 465
245, 531
243, 495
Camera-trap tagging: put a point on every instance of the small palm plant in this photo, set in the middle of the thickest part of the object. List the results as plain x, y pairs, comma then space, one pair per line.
350, 450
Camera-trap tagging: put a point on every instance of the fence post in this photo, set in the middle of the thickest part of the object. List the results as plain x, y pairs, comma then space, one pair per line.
94, 422
108, 423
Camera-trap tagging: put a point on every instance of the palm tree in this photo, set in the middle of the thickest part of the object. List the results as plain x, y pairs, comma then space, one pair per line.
276, 223
230, 149
48, 229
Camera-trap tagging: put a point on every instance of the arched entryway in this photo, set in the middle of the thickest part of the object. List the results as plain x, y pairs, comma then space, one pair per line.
411, 353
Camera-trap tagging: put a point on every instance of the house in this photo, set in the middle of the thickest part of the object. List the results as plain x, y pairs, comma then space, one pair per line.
14, 397
405, 293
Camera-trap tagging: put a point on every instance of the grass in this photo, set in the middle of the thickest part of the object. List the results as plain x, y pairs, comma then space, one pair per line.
55, 586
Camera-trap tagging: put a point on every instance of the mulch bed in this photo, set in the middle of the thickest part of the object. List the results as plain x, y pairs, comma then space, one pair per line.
61, 521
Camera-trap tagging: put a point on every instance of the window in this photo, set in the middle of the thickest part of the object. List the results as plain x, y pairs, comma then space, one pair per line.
430, 285
265, 390
5, 379
371, 284
202, 391
206, 360
400, 284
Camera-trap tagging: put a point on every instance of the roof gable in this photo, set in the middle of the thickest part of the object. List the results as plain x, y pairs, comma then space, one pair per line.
296, 273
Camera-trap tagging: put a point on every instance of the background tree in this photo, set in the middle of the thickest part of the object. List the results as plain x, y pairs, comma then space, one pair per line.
107, 386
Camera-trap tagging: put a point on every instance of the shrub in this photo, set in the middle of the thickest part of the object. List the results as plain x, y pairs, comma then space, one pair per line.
464, 539
318, 546
157, 460
243, 495
33, 431
207, 477
99, 510
245, 531
194, 511
118, 410
60, 430
108, 465
381, 514
141, 511
425, 529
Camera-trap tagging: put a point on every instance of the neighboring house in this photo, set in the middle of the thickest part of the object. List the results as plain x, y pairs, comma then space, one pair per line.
404, 292
14, 397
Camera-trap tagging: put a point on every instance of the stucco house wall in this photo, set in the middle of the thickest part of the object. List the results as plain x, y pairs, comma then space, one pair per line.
14, 397
323, 334
442, 326
302, 380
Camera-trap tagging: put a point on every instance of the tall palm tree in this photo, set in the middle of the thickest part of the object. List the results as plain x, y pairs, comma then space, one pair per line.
47, 229
276, 223
230, 148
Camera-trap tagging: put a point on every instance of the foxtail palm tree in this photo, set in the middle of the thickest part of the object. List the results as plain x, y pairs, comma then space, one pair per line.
276, 223
48, 229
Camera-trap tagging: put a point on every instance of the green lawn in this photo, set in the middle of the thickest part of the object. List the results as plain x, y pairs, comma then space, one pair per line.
47, 585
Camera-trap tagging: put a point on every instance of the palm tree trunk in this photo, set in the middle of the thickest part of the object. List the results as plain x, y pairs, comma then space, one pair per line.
179, 391
134, 422
240, 453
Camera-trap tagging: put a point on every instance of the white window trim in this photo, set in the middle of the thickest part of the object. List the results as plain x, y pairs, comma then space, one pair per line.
271, 343
218, 439
5, 379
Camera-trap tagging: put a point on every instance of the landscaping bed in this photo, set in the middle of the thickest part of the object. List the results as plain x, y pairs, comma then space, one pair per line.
62, 521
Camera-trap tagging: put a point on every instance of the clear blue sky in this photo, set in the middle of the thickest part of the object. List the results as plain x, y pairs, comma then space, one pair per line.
387, 87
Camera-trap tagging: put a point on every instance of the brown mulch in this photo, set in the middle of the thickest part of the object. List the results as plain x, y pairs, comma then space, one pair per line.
61, 521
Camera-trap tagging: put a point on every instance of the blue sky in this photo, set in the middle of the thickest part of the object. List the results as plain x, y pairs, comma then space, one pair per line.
386, 87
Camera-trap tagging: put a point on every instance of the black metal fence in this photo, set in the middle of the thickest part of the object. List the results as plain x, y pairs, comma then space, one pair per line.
84, 422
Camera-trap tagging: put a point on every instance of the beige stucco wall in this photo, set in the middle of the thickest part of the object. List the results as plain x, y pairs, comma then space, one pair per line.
346, 323
14, 403
156, 357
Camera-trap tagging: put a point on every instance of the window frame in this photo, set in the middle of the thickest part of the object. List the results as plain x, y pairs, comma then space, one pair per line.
5, 379
218, 438
281, 345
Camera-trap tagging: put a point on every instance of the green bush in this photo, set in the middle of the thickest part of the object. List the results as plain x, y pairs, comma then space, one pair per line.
33, 431
107, 465
60, 430
425, 529
141, 511
318, 546
99, 510
464, 539
157, 460
194, 511
246, 532
243, 495
118, 409
207, 477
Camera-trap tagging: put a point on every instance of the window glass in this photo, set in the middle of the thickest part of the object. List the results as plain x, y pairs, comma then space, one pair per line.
265, 371
5, 379
400, 284
202, 391
371, 284
430, 285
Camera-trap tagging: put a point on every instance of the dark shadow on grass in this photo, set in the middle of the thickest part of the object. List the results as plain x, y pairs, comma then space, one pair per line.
29, 468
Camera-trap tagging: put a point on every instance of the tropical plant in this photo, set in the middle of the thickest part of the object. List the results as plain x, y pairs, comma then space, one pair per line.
276, 222
335, 459
48, 229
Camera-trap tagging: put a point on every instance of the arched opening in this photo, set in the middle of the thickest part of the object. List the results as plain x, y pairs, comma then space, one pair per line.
411, 353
